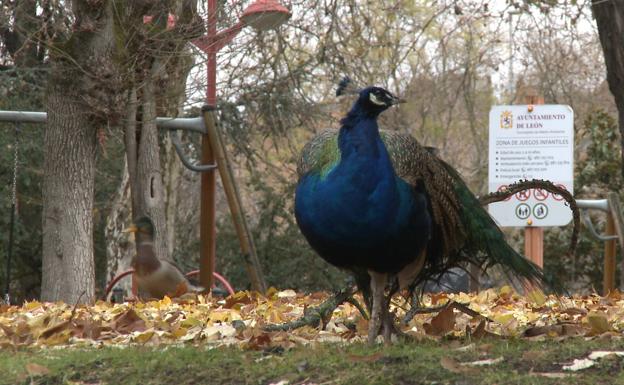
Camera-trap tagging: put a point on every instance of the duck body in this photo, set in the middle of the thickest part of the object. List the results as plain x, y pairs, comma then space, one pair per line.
157, 278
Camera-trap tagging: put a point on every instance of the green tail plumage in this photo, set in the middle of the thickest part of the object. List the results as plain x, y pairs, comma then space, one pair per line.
463, 231
485, 243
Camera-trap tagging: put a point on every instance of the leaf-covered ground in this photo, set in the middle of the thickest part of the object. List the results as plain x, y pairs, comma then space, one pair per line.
465, 342
528, 339
240, 320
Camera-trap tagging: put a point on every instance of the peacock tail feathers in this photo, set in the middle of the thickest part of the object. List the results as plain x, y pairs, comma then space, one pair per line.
485, 244
418, 165
463, 231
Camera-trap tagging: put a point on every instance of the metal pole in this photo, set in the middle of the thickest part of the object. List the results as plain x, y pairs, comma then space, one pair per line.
608, 281
534, 236
189, 124
615, 211
207, 219
252, 264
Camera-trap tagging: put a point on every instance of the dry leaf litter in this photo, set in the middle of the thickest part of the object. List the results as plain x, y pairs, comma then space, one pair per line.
239, 320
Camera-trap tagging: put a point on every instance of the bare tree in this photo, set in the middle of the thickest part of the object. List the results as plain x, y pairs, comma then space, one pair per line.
115, 57
79, 63
609, 17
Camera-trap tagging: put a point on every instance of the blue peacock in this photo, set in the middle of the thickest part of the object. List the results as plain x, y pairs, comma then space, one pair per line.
387, 209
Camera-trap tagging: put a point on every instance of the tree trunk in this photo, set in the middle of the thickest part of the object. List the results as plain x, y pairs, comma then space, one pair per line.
82, 95
120, 247
150, 193
171, 178
155, 86
68, 181
609, 17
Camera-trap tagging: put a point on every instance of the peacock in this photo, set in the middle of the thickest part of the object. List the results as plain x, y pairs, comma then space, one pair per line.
391, 212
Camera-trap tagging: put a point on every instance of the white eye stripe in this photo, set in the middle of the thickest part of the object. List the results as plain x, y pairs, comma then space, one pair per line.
373, 98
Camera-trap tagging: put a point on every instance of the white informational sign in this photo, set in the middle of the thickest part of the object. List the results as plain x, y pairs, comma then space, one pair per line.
536, 144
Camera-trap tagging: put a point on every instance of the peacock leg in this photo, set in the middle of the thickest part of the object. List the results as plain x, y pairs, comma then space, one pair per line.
387, 323
389, 326
378, 287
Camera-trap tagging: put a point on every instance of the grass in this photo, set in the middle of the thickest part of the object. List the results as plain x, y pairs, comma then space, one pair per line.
358, 364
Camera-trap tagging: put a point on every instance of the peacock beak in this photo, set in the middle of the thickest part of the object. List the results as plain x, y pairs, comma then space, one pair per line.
131, 229
397, 100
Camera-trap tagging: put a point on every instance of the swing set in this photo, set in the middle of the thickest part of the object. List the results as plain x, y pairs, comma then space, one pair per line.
7, 296
204, 124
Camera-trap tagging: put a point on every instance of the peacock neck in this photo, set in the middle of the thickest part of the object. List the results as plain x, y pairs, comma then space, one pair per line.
359, 135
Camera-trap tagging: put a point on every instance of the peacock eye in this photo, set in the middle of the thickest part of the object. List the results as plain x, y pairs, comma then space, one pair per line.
376, 99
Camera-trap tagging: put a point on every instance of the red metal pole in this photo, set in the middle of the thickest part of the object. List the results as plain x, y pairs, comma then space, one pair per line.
534, 236
211, 65
207, 226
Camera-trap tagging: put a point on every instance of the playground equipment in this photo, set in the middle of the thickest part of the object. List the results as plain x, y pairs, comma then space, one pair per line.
614, 231
193, 273
205, 125
7, 297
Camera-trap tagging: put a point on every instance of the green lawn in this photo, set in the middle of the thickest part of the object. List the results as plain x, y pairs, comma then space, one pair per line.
425, 362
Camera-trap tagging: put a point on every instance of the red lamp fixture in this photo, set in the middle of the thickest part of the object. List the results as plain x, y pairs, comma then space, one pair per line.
265, 14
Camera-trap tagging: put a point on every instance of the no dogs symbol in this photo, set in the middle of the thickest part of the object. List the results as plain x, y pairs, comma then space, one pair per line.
523, 195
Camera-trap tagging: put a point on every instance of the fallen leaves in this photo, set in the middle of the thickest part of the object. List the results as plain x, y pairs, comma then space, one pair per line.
128, 322
579, 364
240, 320
487, 362
598, 322
591, 360
452, 365
598, 354
369, 358
551, 374
34, 370
442, 323
559, 330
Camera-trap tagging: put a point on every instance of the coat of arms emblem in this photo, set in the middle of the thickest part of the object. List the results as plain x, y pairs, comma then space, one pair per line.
506, 120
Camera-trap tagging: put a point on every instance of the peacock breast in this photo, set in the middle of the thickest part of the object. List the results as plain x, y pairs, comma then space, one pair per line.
351, 223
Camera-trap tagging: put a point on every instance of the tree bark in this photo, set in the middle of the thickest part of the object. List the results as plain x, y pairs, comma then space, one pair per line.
68, 182
172, 171
81, 97
609, 17
120, 247
150, 191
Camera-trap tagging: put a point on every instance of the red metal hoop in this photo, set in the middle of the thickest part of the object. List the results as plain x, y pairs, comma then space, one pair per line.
121, 275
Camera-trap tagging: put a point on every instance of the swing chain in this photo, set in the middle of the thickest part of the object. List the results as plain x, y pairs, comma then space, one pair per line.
7, 295
15, 159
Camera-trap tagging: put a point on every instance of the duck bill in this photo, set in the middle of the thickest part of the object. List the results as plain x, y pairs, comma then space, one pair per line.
131, 229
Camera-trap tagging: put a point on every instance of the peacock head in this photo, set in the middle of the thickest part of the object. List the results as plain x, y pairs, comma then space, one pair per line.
377, 99
371, 99
142, 225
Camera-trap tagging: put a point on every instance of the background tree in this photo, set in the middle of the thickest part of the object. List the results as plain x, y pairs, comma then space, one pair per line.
609, 17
